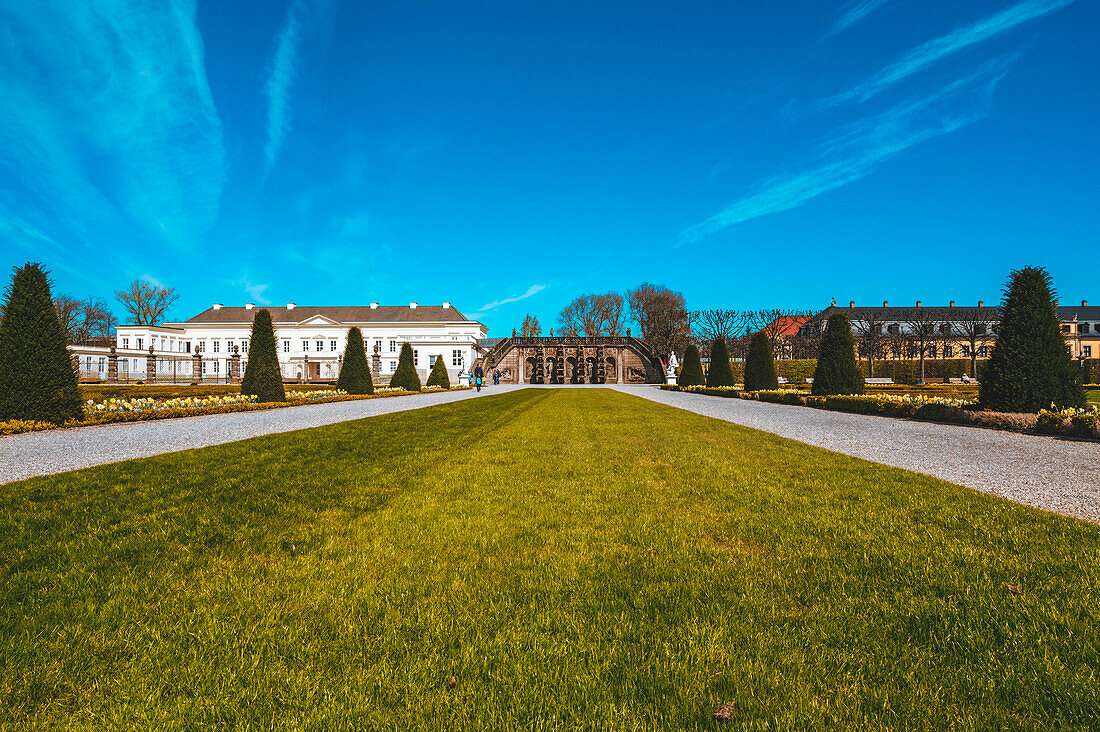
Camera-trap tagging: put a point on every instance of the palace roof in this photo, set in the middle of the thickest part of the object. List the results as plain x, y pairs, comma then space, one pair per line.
337, 313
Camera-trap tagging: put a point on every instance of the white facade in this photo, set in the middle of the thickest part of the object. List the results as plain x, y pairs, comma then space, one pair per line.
309, 341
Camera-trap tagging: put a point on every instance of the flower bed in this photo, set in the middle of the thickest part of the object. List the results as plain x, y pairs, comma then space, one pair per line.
1071, 422
142, 409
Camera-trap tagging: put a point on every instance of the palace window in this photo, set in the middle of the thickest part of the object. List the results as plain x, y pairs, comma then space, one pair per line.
215, 362
244, 345
139, 344
393, 346
416, 357
393, 366
204, 367
983, 351
286, 346
966, 351
1086, 351
1065, 329
332, 345
948, 351
931, 352
945, 329
1083, 328
217, 346
456, 357
305, 346
893, 328
319, 346
125, 342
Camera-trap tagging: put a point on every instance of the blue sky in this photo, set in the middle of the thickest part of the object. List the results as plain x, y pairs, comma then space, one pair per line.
508, 157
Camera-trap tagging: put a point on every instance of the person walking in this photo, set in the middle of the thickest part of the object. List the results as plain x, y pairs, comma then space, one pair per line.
496, 377
479, 374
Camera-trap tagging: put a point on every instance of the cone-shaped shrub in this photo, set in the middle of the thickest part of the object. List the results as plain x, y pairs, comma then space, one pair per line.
262, 376
837, 372
691, 370
438, 376
37, 377
405, 376
719, 373
1030, 367
355, 375
760, 364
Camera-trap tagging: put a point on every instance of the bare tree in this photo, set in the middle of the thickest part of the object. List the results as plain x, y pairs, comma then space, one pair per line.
145, 303
531, 326
68, 312
662, 316
870, 338
96, 323
975, 327
593, 315
922, 326
709, 325
775, 322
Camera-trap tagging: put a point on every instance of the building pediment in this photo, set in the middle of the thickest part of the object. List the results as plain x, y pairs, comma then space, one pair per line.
317, 320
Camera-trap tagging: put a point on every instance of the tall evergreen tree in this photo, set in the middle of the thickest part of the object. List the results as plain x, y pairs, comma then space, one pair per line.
837, 372
760, 364
691, 370
405, 376
719, 373
438, 376
37, 377
262, 376
355, 377
1030, 367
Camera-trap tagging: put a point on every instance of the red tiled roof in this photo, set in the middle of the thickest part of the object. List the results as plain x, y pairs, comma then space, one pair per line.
339, 313
788, 325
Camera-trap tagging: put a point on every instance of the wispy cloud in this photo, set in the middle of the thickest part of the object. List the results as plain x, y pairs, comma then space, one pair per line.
854, 12
254, 291
490, 306
957, 40
857, 150
284, 67
112, 125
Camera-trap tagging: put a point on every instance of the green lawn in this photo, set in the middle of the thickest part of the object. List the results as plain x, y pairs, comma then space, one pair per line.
574, 559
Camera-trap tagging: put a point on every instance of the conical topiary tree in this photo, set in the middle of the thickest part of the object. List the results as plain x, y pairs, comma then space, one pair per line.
438, 376
262, 376
837, 372
691, 370
760, 364
37, 377
1030, 367
719, 373
405, 376
355, 375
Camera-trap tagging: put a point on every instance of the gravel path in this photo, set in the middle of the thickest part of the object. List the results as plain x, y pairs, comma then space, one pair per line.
56, 451
1047, 472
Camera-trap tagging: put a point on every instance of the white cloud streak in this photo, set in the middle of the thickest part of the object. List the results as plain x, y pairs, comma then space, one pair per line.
854, 12
857, 150
107, 120
490, 306
957, 40
284, 68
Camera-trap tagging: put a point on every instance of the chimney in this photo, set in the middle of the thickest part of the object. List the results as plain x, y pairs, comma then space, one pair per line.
412, 306
290, 306
1084, 303
951, 304
834, 302
885, 304
217, 306
374, 306
248, 306
446, 306
918, 303
979, 303
851, 303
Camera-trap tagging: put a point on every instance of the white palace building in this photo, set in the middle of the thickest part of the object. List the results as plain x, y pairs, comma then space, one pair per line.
309, 340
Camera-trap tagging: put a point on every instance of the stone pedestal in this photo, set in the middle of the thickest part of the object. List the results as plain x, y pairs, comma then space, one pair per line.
376, 363
112, 367
196, 366
151, 367
234, 375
